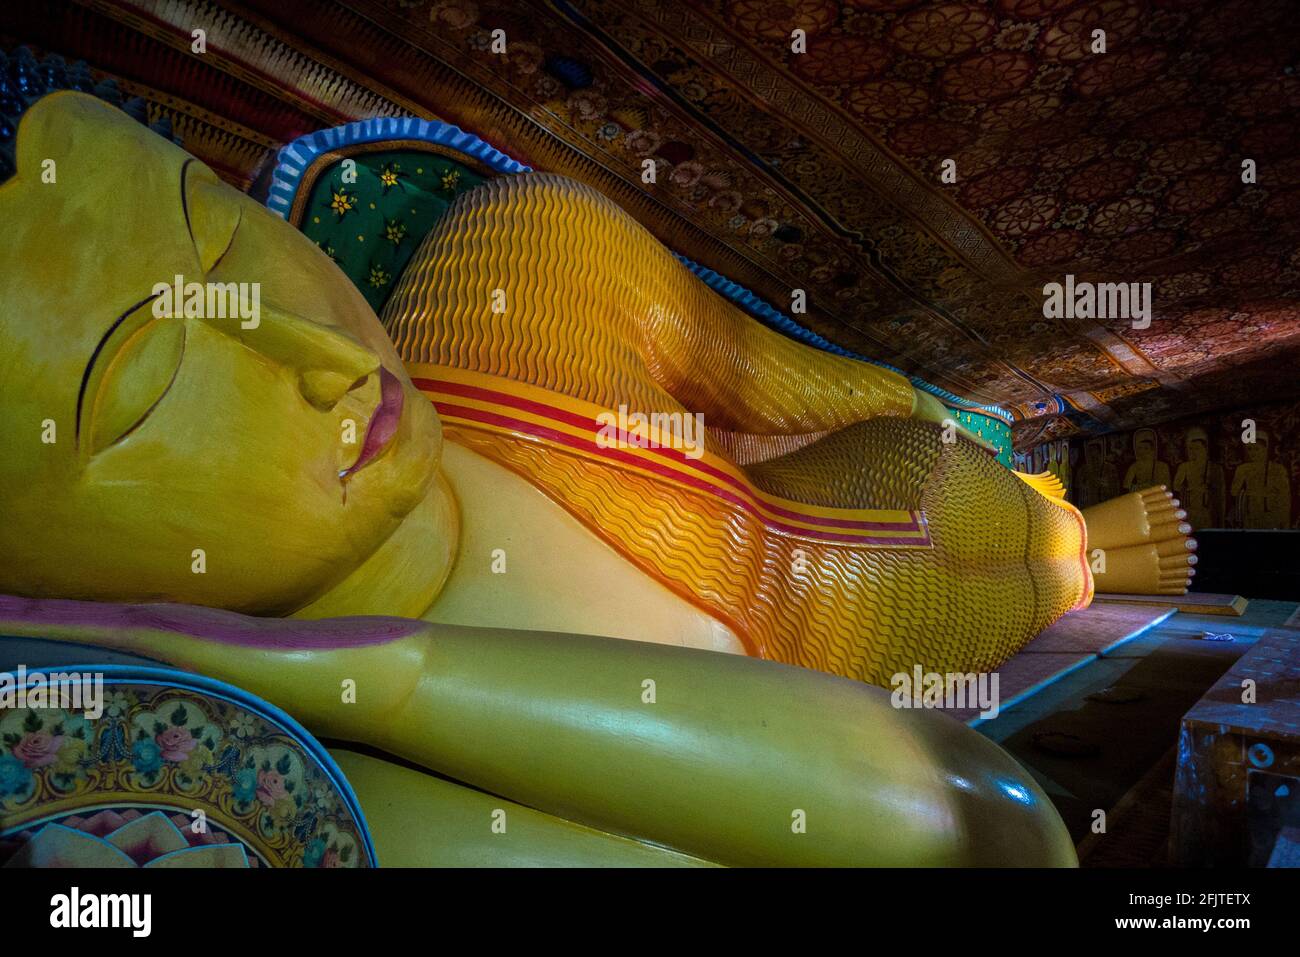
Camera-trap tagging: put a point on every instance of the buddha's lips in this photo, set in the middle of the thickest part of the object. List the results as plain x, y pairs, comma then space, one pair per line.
383, 424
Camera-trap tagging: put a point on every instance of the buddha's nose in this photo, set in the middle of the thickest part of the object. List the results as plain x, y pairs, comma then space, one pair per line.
328, 362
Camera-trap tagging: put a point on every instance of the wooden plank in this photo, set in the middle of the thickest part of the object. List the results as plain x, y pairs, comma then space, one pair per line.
1194, 603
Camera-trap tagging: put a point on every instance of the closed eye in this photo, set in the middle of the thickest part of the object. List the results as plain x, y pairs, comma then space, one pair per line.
152, 360
94, 356
133, 368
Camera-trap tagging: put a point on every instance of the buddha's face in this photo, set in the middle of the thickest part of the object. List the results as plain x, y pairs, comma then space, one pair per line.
207, 460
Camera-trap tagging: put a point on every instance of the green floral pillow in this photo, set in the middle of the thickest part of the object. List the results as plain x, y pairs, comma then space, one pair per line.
372, 226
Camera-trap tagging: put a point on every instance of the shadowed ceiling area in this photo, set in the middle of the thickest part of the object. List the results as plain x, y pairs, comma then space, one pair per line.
823, 170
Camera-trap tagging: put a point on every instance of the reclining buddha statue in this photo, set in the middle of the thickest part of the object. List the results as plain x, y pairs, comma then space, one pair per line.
482, 546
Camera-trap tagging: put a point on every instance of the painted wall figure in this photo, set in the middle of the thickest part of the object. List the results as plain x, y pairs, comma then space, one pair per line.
1261, 488
1199, 483
1147, 469
1096, 478
1221, 480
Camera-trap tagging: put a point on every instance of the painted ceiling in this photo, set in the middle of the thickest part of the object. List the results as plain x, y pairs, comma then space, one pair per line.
822, 170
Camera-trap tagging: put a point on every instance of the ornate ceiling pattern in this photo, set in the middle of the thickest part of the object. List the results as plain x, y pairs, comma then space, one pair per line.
822, 170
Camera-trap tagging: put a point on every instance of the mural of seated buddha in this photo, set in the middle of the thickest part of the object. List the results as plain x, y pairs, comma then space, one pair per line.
293, 466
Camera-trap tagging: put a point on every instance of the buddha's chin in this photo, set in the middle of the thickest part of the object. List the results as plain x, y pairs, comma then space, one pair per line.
406, 572
401, 498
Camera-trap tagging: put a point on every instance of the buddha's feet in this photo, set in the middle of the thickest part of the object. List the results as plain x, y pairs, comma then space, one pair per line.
1141, 544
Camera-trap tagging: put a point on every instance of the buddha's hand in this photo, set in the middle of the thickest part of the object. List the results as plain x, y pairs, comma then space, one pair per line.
726, 759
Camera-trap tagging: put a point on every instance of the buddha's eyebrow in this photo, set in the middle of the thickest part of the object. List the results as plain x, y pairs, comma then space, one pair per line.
99, 347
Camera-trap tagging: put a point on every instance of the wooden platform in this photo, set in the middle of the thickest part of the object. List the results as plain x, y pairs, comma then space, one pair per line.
1078, 638
1195, 603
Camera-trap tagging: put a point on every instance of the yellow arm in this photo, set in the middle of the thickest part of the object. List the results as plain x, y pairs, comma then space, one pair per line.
722, 758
